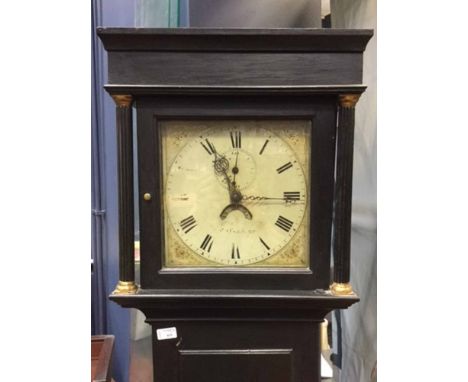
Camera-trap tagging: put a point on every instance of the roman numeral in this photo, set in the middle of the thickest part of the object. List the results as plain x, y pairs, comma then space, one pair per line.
292, 195
208, 146
236, 139
188, 224
235, 252
263, 147
207, 243
284, 167
265, 244
283, 223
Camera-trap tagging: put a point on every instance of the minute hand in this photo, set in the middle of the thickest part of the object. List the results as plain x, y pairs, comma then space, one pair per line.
286, 199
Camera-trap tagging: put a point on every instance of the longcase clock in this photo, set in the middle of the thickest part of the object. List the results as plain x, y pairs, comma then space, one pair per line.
245, 153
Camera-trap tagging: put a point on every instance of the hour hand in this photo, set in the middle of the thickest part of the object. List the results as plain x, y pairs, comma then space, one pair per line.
221, 166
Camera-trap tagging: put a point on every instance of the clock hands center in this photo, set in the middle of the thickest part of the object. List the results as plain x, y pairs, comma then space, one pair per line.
235, 207
221, 166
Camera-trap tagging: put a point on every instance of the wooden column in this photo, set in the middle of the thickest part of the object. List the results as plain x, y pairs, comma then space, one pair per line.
343, 195
126, 284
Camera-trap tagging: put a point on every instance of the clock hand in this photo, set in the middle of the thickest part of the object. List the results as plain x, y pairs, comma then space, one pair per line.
236, 198
234, 194
235, 169
259, 198
221, 165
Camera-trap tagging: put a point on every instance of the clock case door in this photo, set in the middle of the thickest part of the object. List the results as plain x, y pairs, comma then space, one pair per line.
320, 110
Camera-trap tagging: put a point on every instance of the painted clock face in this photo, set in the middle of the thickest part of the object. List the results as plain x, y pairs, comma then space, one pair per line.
235, 193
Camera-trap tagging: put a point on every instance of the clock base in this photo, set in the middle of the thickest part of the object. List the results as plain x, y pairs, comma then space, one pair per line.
235, 335
238, 351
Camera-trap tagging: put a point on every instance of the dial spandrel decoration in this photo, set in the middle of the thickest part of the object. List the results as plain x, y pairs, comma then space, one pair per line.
236, 193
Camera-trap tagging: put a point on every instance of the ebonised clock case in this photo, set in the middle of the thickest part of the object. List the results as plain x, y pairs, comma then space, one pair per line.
320, 111
236, 325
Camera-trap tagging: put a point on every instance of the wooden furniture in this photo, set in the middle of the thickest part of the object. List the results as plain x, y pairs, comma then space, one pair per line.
236, 323
101, 358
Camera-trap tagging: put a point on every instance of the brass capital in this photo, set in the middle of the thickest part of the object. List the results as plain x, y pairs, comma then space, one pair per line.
125, 287
122, 100
348, 100
342, 289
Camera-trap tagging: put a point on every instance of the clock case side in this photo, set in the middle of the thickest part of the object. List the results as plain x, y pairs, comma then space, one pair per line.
320, 110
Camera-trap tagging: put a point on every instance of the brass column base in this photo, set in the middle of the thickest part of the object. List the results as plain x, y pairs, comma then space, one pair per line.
342, 289
125, 287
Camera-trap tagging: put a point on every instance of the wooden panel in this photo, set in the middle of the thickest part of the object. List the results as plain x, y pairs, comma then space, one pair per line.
238, 351
101, 358
235, 365
240, 69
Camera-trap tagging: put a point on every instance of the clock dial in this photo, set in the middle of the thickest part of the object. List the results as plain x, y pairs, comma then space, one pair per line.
235, 194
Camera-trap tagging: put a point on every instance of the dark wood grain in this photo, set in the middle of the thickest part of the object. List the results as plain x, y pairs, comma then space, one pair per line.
126, 199
247, 364
149, 179
238, 351
155, 90
170, 68
343, 195
239, 304
240, 58
229, 40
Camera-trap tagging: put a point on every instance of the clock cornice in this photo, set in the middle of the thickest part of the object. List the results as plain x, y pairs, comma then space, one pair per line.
233, 40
